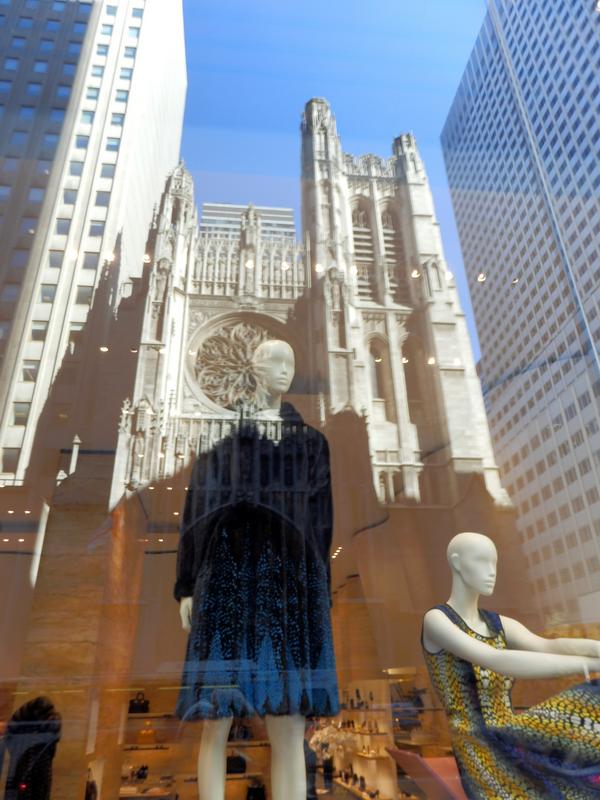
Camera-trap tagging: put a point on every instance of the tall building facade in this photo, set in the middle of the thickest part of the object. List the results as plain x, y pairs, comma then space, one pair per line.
521, 151
92, 97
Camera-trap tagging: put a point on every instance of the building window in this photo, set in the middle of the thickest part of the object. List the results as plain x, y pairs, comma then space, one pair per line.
28, 225
122, 95
130, 52
36, 195
10, 293
74, 48
69, 69
96, 227
5, 86
18, 42
106, 30
87, 117
57, 114
81, 142
97, 71
55, 259
4, 192
134, 33
63, 226
137, 13
10, 164
52, 25
102, 199
26, 112
46, 46
102, 50
92, 93
111, 11
76, 168
117, 119
10, 459
63, 92
39, 331
11, 64
19, 259
84, 294
126, 73
25, 23
30, 371
79, 28
49, 143
90, 260
34, 89
59, 5
107, 171
40, 67
47, 293
112, 144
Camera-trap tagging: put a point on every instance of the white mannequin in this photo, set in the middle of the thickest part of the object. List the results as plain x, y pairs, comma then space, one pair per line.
472, 558
274, 367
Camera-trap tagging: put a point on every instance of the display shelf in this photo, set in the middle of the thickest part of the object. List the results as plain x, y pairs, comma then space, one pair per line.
139, 747
356, 792
376, 757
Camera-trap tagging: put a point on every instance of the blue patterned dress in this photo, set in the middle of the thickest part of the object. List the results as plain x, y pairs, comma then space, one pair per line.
254, 554
549, 752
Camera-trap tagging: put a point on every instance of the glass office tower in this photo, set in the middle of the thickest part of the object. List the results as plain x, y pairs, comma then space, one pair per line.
521, 146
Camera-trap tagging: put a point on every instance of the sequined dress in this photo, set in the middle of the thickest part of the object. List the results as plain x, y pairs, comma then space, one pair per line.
550, 751
254, 555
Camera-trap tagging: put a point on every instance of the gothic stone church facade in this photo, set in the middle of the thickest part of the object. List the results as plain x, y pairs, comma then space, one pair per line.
384, 366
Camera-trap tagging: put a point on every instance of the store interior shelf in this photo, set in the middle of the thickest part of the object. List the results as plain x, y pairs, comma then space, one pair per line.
353, 790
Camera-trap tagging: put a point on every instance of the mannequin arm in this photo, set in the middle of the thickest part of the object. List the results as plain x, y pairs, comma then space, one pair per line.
440, 632
518, 637
185, 612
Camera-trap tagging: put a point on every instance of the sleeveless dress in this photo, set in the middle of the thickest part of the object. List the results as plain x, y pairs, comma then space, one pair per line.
550, 751
254, 555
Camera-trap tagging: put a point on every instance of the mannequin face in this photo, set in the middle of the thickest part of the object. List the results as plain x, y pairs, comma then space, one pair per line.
474, 557
274, 366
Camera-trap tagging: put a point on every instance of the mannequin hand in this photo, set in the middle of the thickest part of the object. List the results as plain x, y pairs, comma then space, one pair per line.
185, 612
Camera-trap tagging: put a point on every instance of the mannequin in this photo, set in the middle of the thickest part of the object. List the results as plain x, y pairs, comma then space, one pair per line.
553, 749
268, 652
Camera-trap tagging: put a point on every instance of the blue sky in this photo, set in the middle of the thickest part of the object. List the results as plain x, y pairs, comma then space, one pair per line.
386, 68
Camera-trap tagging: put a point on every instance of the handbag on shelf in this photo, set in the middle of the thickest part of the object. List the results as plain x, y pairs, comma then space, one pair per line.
236, 765
139, 704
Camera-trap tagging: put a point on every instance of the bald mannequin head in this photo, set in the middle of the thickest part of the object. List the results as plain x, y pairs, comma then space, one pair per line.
274, 365
473, 558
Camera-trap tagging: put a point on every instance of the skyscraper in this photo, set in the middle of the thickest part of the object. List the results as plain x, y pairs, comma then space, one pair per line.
521, 151
92, 95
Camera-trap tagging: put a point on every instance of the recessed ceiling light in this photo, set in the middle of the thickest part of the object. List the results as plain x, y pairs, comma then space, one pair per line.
431, 360
6, 540
151, 488
27, 511
161, 540
169, 488
318, 268
415, 274
21, 540
176, 513
404, 360
11, 511
482, 277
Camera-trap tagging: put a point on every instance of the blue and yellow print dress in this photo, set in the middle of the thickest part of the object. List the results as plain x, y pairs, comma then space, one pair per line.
550, 751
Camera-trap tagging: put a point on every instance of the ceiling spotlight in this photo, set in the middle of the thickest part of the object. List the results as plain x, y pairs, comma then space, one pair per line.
6, 540
415, 274
21, 540
169, 488
176, 513
133, 350
378, 359
147, 259
482, 277
285, 266
250, 264
151, 488
31, 231
514, 281
431, 360
318, 267
27, 511
11, 511
161, 540
104, 349
404, 360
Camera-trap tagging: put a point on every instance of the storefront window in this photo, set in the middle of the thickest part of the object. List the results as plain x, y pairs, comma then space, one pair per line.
300, 384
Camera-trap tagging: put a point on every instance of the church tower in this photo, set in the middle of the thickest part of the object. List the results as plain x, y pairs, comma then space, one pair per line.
395, 346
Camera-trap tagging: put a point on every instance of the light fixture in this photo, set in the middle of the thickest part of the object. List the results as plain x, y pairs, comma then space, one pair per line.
6, 540
176, 513
191, 352
404, 360
21, 540
161, 540
431, 360
514, 281
104, 349
31, 231
169, 488
482, 277
318, 267
284, 265
415, 274
27, 511
133, 350
378, 359
140, 455
147, 259
11, 511
249, 264
151, 488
